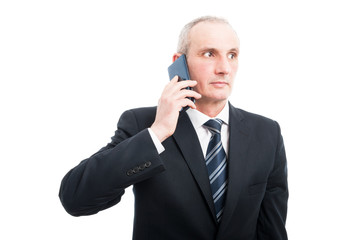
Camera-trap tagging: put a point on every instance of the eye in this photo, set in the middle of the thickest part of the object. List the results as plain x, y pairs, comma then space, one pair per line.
208, 54
232, 55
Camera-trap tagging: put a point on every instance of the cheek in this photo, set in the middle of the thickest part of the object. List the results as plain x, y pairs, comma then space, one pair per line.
200, 71
204, 68
234, 68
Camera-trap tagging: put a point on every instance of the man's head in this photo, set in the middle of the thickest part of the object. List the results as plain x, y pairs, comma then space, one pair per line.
184, 41
211, 46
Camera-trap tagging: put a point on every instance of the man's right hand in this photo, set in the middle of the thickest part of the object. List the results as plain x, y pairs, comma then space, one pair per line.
173, 99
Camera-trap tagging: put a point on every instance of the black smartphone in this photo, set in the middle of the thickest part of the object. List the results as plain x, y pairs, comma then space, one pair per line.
180, 68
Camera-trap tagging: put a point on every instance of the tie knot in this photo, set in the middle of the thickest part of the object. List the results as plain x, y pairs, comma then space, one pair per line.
214, 125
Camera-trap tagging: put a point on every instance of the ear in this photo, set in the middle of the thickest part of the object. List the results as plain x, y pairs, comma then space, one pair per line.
176, 56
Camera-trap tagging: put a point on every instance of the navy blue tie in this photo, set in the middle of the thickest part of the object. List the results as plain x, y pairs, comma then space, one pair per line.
216, 162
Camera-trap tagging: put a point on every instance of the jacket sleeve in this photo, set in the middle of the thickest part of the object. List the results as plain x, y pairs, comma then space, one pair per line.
98, 182
273, 211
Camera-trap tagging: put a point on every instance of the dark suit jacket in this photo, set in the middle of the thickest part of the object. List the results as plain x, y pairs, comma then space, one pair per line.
172, 192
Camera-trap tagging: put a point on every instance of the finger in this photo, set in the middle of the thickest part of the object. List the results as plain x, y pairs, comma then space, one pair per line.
174, 79
186, 83
186, 102
173, 88
174, 83
188, 93
170, 87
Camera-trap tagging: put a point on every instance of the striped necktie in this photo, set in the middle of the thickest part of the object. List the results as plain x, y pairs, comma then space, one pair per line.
217, 166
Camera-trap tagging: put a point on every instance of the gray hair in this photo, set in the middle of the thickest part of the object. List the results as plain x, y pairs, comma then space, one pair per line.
183, 41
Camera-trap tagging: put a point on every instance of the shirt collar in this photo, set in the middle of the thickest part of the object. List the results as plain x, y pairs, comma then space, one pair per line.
198, 119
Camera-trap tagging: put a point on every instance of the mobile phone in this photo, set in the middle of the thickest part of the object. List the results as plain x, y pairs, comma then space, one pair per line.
180, 68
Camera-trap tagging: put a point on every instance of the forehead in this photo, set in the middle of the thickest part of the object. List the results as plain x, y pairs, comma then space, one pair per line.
215, 35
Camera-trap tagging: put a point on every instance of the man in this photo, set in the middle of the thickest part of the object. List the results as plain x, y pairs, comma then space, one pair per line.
212, 172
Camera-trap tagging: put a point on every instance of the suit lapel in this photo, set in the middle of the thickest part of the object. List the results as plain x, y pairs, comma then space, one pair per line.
187, 140
237, 162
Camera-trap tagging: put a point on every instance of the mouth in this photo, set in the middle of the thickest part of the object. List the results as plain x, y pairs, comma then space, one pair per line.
219, 84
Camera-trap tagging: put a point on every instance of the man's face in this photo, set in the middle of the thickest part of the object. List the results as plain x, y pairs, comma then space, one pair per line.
213, 60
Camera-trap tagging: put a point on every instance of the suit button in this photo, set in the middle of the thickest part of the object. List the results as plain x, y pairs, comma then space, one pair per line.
130, 172
136, 169
147, 164
141, 167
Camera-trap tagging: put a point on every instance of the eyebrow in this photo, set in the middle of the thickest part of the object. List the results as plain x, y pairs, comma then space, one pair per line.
207, 49
234, 50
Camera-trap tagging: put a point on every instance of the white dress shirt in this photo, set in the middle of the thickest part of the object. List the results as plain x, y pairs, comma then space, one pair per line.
204, 135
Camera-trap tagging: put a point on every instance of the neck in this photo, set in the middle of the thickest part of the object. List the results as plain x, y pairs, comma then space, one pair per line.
211, 109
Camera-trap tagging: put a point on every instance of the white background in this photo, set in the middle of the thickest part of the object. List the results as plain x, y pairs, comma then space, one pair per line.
68, 69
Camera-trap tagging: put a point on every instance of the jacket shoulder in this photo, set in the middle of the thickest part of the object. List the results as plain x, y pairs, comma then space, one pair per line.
139, 117
257, 124
252, 117
256, 117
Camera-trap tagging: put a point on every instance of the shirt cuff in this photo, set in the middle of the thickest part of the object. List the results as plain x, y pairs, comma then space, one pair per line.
158, 145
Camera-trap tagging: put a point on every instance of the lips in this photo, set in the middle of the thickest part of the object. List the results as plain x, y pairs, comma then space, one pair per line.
219, 83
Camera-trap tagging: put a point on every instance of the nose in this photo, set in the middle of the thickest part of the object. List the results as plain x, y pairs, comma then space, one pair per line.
223, 66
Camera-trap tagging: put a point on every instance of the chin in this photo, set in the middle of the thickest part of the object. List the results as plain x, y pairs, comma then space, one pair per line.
219, 98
